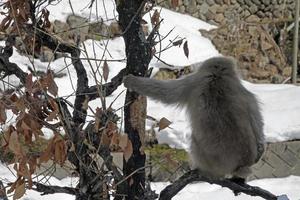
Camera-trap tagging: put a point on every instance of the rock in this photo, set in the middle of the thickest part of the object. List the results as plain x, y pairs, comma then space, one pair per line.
253, 19
277, 13
256, 2
98, 29
219, 2
213, 9
204, 8
266, 2
210, 2
61, 30
277, 79
220, 18
181, 9
287, 71
260, 14
209, 15
246, 13
265, 45
114, 29
272, 69
253, 9
79, 26
191, 7
46, 55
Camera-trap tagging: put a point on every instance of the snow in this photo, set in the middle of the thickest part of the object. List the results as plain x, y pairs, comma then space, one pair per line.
280, 104
278, 186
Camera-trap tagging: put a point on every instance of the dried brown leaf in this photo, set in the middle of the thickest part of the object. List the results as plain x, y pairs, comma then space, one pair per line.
105, 71
29, 83
105, 139
23, 169
123, 141
20, 189
127, 153
52, 87
14, 144
186, 49
155, 18
97, 118
46, 155
163, 123
3, 116
178, 42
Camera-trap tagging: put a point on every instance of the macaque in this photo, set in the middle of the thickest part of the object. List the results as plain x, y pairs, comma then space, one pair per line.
226, 123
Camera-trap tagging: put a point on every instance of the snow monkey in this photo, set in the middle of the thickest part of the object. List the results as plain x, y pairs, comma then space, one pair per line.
226, 123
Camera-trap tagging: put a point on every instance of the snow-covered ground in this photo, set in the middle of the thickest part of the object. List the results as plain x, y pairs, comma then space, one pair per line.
279, 103
289, 186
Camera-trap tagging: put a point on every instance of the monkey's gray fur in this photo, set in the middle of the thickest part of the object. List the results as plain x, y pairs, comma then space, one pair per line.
227, 127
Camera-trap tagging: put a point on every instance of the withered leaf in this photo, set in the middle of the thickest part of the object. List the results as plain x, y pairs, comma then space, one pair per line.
3, 116
97, 118
105, 139
60, 154
29, 83
20, 189
14, 144
186, 49
23, 169
123, 141
127, 153
46, 155
105, 71
155, 18
163, 123
52, 87
178, 42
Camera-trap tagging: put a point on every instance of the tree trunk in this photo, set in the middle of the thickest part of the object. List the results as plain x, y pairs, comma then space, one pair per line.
138, 52
295, 45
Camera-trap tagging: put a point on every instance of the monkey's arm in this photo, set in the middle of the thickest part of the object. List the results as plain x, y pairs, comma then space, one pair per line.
167, 91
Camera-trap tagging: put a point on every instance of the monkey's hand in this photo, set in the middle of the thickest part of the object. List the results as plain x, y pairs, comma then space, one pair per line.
130, 81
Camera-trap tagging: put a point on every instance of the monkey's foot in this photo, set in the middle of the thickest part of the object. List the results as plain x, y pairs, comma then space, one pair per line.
238, 180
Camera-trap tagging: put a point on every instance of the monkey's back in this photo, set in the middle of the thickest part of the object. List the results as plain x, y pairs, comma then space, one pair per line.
223, 117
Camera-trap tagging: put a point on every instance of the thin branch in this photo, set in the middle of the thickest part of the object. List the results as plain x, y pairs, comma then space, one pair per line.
2, 192
8, 67
107, 88
48, 189
194, 175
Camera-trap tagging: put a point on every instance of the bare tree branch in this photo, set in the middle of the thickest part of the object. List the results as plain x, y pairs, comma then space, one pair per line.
49, 189
194, 175
2, 192
7, 67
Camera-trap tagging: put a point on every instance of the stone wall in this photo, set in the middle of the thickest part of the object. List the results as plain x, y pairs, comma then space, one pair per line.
281, 159
220, 11
252, 31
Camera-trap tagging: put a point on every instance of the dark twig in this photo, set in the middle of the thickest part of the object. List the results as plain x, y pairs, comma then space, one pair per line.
2, 192
49, 189
107, 88
6, 66
194, 175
